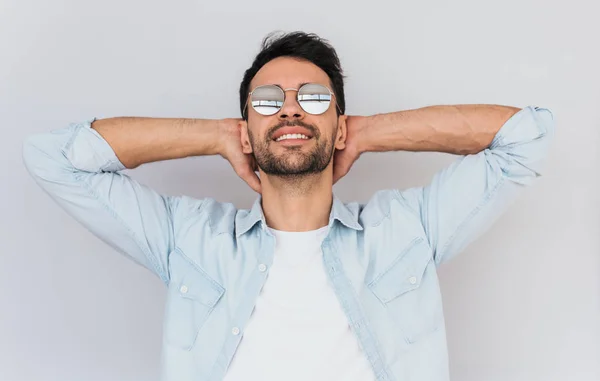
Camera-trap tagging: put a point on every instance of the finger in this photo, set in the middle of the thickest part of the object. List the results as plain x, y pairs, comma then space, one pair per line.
252, 180
336, 167
337, 174
254, 183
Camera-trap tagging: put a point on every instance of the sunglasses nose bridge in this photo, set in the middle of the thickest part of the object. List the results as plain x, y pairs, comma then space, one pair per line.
291, 109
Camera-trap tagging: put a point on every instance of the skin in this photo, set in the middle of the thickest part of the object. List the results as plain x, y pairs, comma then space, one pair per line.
302, 200
297, 198
296, 182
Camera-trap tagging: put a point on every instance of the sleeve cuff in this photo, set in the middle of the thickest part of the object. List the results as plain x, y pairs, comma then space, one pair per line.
528, 124
88, 151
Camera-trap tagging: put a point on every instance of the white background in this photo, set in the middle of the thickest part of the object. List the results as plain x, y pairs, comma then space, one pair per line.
522, 303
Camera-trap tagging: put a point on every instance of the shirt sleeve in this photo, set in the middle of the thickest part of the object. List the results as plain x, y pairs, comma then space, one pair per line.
465, 199
80, 171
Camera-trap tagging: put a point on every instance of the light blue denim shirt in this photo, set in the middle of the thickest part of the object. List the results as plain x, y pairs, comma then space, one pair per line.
381, 257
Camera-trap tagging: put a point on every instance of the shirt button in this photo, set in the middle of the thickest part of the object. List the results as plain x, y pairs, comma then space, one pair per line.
235, 331
262, 267
412, 280
184, 289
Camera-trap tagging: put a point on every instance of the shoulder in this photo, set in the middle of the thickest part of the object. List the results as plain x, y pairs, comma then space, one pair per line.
390, 204
218, 217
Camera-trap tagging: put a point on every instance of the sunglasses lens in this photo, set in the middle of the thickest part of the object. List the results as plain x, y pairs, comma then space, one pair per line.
314, 98
267, 100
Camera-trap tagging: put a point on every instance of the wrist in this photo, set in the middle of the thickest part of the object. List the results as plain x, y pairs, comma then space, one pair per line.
226, 131
364, 133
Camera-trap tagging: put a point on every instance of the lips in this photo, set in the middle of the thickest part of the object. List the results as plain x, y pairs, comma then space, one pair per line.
292, 130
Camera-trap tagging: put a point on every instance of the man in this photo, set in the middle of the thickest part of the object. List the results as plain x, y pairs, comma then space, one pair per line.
302, 286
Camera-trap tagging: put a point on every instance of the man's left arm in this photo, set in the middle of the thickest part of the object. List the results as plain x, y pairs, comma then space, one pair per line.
501, 148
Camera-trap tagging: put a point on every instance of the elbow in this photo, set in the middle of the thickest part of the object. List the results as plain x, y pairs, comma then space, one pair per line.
32, 154
40, 156
525, 140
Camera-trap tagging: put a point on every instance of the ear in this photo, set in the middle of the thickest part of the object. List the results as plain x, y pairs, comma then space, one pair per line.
245, 139
342, 132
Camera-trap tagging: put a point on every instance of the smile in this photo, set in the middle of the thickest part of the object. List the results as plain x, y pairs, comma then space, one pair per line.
292, 137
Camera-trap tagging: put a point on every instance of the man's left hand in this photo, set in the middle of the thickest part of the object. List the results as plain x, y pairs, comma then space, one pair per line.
344, 158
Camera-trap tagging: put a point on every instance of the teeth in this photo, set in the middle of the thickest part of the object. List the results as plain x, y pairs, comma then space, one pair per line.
291, 136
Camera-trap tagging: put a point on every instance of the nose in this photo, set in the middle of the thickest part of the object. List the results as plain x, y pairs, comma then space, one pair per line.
291, 108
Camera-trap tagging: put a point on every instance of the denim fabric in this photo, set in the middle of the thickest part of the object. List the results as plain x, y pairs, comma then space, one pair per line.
381, 257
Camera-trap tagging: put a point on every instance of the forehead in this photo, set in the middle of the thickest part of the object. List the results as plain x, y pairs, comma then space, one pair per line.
289, 72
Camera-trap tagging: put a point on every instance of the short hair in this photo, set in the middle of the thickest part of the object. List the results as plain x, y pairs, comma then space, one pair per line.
301, 45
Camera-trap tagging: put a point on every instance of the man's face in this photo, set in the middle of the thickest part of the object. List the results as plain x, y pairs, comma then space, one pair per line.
294, 157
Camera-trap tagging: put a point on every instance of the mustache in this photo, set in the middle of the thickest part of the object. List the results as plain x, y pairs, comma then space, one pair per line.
294, 123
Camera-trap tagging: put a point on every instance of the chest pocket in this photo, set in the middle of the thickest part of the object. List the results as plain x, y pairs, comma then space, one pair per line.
409, 291
191, 297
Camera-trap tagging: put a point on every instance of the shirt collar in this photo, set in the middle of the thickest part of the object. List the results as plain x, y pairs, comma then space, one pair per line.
347, 215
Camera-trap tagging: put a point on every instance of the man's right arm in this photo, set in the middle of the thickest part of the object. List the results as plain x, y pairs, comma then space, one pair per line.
136, 141
79, 168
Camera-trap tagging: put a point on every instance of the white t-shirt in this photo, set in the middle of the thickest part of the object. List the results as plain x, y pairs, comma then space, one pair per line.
298, 330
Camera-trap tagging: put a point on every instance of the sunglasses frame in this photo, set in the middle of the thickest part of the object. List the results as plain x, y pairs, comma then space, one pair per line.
244, 113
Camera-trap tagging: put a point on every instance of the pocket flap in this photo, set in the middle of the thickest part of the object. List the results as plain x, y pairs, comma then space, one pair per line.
192, 282
405, 272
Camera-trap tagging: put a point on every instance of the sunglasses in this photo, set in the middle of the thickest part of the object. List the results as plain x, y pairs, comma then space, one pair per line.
314, 98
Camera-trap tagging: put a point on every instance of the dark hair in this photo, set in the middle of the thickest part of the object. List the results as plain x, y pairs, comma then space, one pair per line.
306, 46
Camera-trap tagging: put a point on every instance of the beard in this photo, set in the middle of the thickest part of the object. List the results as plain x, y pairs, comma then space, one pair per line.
294, 163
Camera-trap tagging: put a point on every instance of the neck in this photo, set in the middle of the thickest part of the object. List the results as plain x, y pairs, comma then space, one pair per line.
297, 204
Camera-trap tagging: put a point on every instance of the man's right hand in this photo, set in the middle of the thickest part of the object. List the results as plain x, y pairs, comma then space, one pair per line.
138, 140
231, 149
